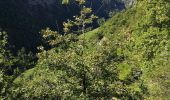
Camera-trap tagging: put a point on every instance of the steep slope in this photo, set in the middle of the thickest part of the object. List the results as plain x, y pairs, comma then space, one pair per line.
141, 35
132, 49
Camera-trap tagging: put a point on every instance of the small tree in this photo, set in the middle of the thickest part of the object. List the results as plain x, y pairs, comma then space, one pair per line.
5, 65
86, 17
3, 42
5, 54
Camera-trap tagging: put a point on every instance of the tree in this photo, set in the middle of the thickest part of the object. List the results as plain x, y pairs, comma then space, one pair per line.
82, 20
3, 84
23, 61
5, 54
5, 65
77, 73
156, 13
3, 44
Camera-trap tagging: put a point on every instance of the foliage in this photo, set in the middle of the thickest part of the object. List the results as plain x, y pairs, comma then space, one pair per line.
11, 66
77, 73
23, 61
5, 64
85, 18
101, 21
142, 40
127, 58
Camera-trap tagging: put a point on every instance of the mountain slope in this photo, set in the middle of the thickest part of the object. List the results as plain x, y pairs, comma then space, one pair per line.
132, 49
142, 36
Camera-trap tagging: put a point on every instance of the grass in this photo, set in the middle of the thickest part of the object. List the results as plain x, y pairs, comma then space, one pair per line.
90, 35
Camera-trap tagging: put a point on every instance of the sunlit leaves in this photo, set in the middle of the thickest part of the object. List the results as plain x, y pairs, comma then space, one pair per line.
81, 2
80, 22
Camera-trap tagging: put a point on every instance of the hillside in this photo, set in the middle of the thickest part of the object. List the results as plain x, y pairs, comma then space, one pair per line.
126, 58
141, 36
130, 52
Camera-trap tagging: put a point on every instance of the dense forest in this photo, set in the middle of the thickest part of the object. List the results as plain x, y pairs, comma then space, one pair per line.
85, 50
